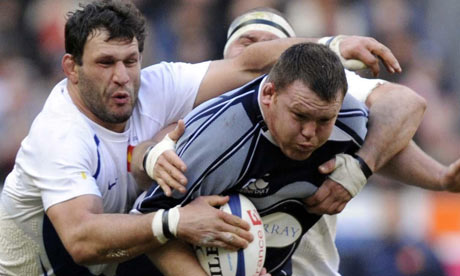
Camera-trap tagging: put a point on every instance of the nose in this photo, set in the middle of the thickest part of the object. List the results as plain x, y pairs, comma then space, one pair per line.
309, 129
120, 74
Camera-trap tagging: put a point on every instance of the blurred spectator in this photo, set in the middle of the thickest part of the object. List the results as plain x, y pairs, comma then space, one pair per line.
391, 252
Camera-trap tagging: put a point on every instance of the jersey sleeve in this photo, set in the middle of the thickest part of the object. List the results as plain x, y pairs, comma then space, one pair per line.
60, 160
168, 90
360, 87
214, 158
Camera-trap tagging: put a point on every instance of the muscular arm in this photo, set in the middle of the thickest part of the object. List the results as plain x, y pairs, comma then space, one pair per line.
395, 114
414, 167
256, 59
176, 258
92, 237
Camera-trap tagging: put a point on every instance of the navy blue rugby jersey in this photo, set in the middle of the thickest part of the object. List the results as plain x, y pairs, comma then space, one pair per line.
227, 149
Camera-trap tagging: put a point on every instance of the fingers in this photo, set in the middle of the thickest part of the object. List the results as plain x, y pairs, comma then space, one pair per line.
455, 167
331, 198
369, 51
318, 197
200, 224
386, 56
328, 206
214, 200
264, 272
235, 221
178, 131
164, 187
327, 167
169, 170
451, 179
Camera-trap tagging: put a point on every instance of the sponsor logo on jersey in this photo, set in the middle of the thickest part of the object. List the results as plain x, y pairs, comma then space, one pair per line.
281, 229
255, 187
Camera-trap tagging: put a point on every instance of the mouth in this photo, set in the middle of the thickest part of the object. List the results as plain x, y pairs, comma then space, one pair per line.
306, 147
121, 97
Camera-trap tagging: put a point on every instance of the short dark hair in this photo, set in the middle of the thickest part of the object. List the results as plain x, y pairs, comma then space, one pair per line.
120, 19
315, 65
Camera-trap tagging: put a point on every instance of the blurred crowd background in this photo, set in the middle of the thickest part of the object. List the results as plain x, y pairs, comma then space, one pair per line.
389, 229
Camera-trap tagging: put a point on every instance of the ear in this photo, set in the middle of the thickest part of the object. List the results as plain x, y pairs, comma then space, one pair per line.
70, 68
268, 93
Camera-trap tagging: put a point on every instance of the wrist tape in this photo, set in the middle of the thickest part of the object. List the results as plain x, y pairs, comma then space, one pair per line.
153, 152
164, 224
333, 42
348, 173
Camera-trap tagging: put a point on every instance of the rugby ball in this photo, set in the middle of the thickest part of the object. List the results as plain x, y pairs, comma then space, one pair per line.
244, 262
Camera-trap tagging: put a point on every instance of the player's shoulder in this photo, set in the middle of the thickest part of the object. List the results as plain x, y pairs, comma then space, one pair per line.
59, 121
165, 70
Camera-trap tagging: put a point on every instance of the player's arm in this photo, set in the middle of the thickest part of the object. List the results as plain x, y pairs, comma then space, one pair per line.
414, 167
167, 169
395, 114
176, 258
92, 237
257, 59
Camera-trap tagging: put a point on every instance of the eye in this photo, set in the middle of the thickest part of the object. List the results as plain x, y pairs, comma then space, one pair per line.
131, 61
299, 117
324, 121
245, 41
106, 62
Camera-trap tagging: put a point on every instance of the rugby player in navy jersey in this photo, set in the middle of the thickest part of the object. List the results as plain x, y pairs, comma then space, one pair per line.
317, 253
266, 141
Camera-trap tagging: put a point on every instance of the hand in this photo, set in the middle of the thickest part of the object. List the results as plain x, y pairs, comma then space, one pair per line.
264, 272
450, 180
369, 51
169, 168
331, 197
203, 225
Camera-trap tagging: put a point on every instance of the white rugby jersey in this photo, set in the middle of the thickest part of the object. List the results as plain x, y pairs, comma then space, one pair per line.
66, 155
228, 149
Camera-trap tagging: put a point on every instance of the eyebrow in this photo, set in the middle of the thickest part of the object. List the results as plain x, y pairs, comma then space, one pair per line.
248, 36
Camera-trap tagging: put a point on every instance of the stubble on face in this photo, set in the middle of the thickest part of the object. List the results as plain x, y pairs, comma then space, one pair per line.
109, 79
97, 100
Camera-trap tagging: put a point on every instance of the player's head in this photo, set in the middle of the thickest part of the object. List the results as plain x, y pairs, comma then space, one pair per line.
104, 41
121, 19
261, 24
302, 97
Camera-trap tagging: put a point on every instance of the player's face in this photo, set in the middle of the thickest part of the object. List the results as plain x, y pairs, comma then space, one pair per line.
299, 121
247, 39
109, 78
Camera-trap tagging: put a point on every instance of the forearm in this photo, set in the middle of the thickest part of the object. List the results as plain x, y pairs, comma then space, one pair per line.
260, 57
414, 167
137, 168
254, 61
176, 258
395, 114
106, 238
